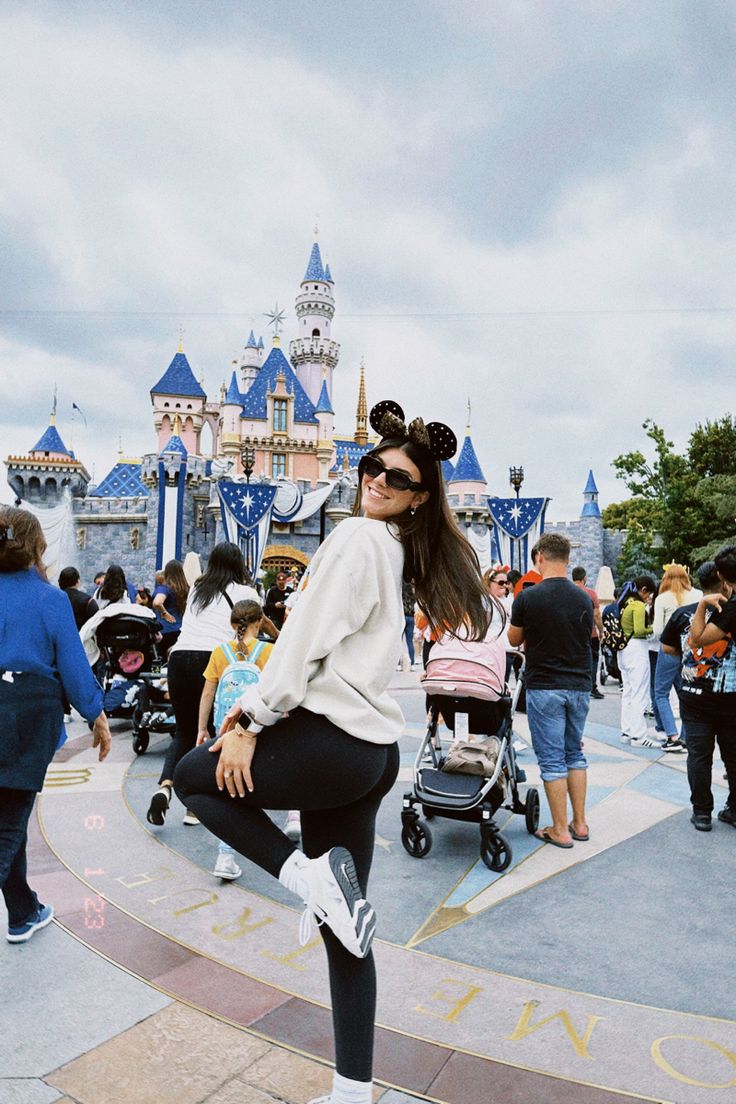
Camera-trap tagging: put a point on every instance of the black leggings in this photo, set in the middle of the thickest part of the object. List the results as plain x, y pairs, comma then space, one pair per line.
337, 781
185, 676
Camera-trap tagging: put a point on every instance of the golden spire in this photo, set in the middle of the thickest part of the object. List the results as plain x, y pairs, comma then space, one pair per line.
181, 340
361, 420
176, 432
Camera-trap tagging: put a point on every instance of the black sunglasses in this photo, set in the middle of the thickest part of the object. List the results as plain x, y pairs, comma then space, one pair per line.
397, 479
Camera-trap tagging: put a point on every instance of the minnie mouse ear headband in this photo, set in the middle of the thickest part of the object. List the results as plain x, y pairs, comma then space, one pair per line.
387, 418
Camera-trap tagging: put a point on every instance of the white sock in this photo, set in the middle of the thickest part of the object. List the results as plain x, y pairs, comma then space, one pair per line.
345, 1091
293, 874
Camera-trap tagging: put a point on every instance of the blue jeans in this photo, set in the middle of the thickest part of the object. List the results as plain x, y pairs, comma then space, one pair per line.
409, 634
556, 722
666, 676
653, 660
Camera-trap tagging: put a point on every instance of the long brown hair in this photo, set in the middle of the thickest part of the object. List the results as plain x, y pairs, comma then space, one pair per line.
22, 543
175, 578
438, 560
677, 579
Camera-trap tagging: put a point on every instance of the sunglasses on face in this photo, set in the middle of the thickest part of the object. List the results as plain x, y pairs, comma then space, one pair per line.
501, 582
397, 479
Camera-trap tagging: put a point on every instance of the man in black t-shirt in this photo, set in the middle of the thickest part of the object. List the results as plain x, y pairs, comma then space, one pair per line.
83, 607
554, 620
708, 694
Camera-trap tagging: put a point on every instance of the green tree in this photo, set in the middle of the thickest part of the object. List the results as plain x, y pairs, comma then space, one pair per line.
631, 513
712, 447
666, 487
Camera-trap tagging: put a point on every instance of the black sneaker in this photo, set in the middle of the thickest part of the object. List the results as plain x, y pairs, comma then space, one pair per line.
597, 694
727, 816
701, 822
159, 806
673, 744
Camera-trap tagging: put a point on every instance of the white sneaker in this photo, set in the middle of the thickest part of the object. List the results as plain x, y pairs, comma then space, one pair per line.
226, 867
293, 826
190, 818
646, 742
625, 738
334, 897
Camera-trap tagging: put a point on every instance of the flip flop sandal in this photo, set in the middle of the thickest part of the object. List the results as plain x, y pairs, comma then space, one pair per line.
576, 835
545, 837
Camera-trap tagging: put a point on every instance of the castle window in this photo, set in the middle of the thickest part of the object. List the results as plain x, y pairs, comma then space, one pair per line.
280, 409
135, 539
166, 404
315, 333
278, 465
81, 539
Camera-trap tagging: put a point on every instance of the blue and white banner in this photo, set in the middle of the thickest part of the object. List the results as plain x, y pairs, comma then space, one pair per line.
518, 524
246, 510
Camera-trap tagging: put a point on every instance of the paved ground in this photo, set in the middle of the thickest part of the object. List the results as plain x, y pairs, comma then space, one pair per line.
591, 976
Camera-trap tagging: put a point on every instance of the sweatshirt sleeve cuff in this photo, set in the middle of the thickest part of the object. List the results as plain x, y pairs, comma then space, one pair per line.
252, 704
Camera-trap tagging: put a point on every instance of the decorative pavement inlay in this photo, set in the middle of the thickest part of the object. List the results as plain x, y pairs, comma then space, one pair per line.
445, 1026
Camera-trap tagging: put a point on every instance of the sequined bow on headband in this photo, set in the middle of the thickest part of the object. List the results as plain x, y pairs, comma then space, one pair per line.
387, 418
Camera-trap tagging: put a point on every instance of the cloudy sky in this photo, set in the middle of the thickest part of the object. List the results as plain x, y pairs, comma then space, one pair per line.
525, 203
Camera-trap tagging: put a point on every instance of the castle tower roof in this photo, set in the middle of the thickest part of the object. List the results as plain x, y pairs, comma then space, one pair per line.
123, 481
233, 396
51, 441
260, 343
251, 342
324, 406
315, 269
448, 469
328, 275
361, 416
590, 487
255, 403
590, 499
178, 379
467, 469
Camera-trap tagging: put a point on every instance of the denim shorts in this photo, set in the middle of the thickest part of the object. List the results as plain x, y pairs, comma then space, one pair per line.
556, 722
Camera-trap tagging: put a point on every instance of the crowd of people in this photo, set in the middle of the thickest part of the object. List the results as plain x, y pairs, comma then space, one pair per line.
309, 726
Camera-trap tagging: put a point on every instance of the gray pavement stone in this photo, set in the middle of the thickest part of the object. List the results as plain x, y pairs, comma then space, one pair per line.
27, 1090
80, 1001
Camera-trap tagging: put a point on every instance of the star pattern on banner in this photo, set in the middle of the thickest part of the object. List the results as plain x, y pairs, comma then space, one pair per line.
247, 503
515, 516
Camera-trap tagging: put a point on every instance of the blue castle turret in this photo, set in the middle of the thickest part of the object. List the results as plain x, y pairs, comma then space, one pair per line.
591, 508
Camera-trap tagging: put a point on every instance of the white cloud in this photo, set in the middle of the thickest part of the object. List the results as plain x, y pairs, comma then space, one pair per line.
168, 182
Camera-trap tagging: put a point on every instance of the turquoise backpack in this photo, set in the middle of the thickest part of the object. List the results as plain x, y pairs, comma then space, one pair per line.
238, 674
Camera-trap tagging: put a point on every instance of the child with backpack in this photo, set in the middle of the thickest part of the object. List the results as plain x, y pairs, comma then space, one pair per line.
231, 668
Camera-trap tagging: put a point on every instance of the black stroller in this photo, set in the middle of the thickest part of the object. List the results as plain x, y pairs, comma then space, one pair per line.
134, 676
469, 797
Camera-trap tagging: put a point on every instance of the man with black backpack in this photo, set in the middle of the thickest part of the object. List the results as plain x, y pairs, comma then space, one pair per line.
554, 620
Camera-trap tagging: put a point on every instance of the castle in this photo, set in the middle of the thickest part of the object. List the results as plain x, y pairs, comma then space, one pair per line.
271, 429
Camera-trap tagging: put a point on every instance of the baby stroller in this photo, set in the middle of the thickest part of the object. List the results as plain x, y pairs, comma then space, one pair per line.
133, 676
469, 797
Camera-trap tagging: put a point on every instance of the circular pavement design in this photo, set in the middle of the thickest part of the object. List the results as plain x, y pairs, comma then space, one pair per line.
511, 987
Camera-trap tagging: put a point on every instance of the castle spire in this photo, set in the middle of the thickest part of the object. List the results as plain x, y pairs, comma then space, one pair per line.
361, 418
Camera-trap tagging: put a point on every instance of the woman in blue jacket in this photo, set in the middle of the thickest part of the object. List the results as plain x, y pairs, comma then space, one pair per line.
41, 659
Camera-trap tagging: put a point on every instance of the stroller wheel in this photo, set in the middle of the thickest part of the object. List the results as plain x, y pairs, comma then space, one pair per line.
140, 741
427, 813
417, 840
495, 853
531, 810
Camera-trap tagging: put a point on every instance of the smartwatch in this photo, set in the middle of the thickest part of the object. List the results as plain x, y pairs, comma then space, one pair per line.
246, 722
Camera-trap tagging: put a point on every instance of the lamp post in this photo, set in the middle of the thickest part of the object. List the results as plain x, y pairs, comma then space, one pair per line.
248, 460
516, 478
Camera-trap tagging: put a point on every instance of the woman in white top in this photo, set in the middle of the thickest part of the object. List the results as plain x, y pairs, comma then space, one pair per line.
335, 755
205, 625
675, 590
